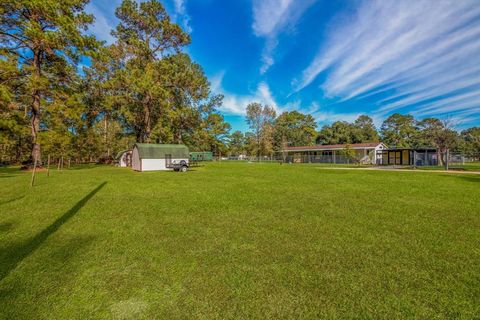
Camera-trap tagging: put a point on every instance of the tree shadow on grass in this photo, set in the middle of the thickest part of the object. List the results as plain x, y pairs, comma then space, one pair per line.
52, 271
22, 251
11, 200
466, 177
471, 178
6, 226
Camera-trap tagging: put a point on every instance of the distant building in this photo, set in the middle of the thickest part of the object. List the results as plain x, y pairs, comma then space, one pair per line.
151, 157
368, 153
409, 157
201, 156
124, 158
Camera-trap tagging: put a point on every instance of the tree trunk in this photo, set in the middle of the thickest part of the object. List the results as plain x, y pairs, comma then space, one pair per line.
35, 127
105, 137
147, 119
35, 121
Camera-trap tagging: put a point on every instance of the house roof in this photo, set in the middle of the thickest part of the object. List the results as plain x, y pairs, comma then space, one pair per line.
369, 145
119, 154
158, 151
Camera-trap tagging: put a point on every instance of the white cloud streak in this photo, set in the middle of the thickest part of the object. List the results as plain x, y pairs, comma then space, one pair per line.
181, 14
102, 26
237, 104
419, 52
272, 17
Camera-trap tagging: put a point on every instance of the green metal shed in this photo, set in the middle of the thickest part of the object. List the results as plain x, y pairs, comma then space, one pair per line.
201, 156
149, 156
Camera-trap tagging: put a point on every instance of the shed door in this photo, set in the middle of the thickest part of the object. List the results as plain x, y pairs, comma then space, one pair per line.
398, 158
168, 160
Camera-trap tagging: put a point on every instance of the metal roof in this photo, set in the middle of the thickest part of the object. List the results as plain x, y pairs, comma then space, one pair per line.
158, 151
120, 153
369, 145
412, 149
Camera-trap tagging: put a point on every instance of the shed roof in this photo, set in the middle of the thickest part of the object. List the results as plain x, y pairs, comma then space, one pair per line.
120, 153
369, 145
158, 151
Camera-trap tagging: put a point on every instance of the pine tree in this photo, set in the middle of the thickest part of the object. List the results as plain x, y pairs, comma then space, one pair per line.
47, 37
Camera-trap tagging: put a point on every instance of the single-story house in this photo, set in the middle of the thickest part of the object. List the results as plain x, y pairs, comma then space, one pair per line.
409, 157
368, 153
124, 158
201, 156
151, 157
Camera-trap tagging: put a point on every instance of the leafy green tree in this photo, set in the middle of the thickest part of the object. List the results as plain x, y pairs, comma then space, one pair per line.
340, 132
261, 119
343, 132
47, 37
14, 122
236, 143
349, 154
427, 130
364, 130
441, 135
146, 40
399, 131
471, 142
295, 129
251, 146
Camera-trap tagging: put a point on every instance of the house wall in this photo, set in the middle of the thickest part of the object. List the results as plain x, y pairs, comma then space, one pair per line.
136, 162
157, 164
123, 159
378, 155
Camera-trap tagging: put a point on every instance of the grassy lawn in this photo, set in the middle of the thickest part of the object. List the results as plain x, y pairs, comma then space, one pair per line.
468, 166
239, 240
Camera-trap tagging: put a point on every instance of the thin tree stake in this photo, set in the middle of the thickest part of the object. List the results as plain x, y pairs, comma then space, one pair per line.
34, 169
48, 166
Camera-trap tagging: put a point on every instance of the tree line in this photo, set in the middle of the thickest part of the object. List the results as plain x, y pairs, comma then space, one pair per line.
269, 134
141, 88
64, 93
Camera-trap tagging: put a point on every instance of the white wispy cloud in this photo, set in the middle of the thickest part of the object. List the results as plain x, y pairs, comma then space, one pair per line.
103, 24
270, 18
419, 52
237, 104
181, 15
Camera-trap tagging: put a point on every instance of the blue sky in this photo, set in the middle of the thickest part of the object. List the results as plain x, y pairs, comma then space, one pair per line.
334, 59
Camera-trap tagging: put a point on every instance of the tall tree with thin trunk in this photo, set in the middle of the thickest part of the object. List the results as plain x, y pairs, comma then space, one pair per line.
261, 119
146, 38
48, 39
441, 135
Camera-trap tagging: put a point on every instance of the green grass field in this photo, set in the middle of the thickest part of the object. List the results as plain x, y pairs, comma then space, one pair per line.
468, 166
239, 240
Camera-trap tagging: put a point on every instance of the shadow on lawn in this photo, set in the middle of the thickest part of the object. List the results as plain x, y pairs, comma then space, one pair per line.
8, 172
465, 177
22, 251
58, 266
471, 178
11, 200
6, 226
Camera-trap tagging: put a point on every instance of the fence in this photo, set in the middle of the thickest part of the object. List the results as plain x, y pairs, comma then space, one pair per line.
418, 158
334, 159
456, 158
